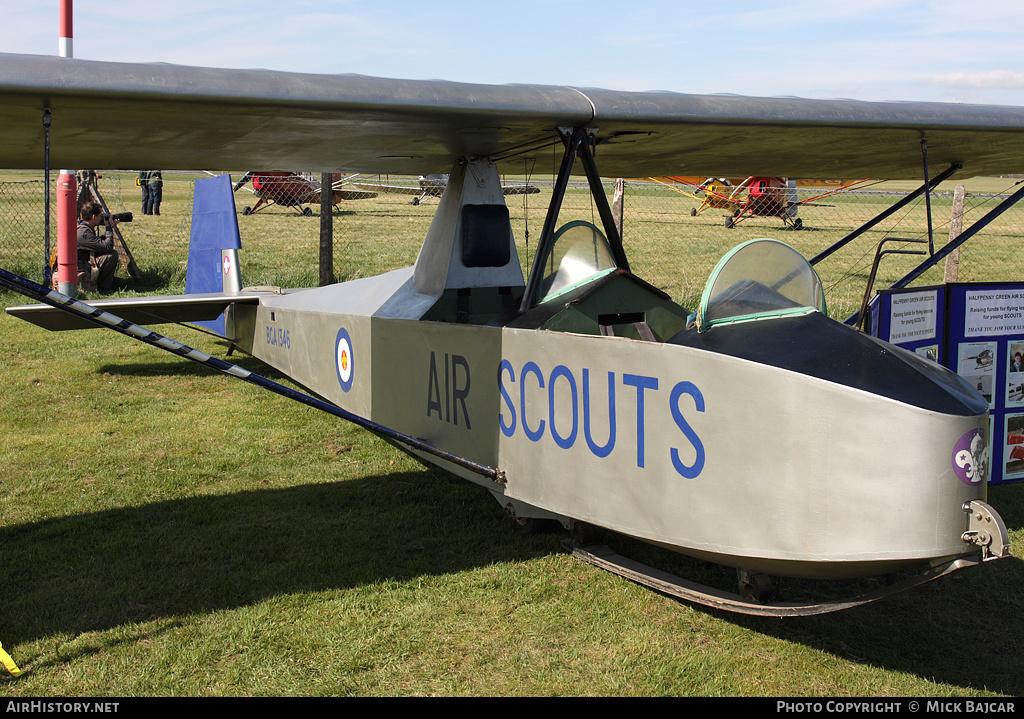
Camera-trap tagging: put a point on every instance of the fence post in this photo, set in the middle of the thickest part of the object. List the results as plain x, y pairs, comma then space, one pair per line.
326, 229
618, 202
956, 226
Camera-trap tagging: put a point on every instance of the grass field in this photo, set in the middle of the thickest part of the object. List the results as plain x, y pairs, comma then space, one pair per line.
167, 530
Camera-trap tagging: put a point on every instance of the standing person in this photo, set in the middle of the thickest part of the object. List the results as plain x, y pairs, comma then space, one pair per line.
102, 248
156, 191
143, 183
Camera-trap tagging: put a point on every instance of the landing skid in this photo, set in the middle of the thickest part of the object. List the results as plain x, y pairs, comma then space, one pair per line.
600, 555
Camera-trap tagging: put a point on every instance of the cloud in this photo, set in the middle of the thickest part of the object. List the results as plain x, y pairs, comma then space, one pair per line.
1005, 79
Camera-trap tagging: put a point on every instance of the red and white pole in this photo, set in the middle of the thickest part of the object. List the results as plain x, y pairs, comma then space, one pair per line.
67, 189
67, 234
65, 44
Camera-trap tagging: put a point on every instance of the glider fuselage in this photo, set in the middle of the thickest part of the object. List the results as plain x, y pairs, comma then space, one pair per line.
828, 454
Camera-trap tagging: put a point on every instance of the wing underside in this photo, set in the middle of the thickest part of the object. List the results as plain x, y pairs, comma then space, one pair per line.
156, 115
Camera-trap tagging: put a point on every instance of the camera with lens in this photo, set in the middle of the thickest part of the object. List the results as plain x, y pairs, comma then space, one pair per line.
119, 217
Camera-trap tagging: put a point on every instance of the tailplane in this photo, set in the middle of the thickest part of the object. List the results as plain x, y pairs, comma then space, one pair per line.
213, 280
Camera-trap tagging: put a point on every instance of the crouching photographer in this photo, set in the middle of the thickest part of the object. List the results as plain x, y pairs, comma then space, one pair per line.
97, 249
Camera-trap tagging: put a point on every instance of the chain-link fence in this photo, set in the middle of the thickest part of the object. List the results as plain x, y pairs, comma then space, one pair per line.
673, 232
158, 245
688, 233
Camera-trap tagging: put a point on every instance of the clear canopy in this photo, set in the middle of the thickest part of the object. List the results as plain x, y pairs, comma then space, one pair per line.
760, 279
579, 252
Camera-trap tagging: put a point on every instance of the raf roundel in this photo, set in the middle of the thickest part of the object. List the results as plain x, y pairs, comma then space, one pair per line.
343, 359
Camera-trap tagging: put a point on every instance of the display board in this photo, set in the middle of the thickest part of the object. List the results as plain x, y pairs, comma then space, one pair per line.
976, 330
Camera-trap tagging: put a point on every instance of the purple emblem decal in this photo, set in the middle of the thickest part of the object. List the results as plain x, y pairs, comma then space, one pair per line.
970, 457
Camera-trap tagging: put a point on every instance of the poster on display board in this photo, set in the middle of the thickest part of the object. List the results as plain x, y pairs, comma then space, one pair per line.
976, 330
913, 319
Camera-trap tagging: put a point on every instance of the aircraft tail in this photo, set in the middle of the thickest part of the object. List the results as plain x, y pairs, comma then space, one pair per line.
214, 243
213, 282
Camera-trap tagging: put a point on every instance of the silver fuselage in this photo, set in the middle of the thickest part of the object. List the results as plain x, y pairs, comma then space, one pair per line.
714, 456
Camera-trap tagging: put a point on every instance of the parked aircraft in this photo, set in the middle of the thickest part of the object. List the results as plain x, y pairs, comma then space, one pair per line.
577, 392
433, 186
290, 189
752, 197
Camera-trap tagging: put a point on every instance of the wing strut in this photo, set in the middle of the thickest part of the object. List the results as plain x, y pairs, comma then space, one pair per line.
577, 145
964, 236
102, 318
926, 187
941, 255
927, 194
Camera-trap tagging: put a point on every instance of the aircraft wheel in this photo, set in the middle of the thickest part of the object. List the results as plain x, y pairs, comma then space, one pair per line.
729, 223
693, 212
307, 212
415, 201
798, 224
246, 211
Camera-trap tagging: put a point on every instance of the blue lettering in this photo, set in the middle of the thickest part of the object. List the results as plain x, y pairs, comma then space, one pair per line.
278, 337
563, 371
509, 422
530, 368
605, 450
510, 429
641, 383
688, 471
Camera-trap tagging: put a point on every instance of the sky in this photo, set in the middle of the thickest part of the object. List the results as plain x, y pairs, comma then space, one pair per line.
967, 52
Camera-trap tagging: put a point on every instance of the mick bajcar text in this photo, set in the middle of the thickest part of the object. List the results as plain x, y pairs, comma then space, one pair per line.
910, 706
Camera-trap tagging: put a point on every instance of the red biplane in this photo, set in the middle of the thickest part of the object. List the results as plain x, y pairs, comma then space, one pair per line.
290, 189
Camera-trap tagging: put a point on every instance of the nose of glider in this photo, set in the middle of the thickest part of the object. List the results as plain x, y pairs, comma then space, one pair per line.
813, 345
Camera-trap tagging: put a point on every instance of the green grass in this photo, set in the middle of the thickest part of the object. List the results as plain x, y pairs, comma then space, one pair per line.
168, 530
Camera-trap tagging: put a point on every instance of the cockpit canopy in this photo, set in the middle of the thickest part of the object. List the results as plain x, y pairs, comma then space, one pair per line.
579, 252
759, 280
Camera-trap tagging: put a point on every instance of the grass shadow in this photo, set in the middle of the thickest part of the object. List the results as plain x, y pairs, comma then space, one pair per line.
963, 630
158, 277
189, 368
96, 571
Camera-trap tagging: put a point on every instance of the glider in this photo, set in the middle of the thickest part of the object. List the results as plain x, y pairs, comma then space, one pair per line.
574, 391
